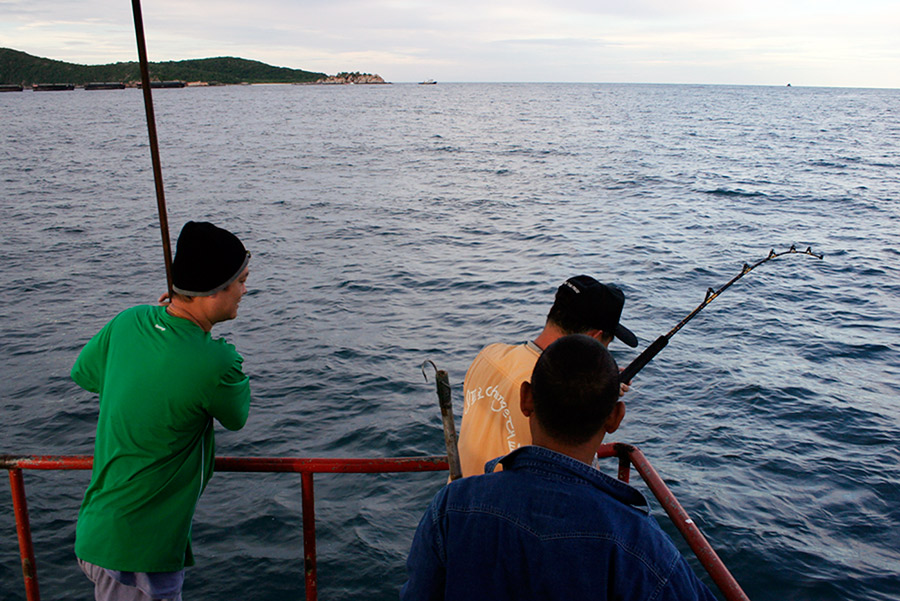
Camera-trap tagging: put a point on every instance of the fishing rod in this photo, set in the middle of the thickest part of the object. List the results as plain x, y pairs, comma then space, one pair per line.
659, 344
154, 143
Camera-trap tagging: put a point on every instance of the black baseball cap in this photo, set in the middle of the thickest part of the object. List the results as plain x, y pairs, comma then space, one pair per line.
597, 305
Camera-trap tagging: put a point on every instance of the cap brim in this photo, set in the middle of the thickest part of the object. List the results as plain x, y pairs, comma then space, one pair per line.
626, 336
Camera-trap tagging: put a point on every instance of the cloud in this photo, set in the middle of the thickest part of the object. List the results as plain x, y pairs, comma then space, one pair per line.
741, 41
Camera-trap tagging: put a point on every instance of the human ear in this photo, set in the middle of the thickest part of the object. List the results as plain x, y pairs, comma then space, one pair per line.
615, 418
600, 336
526, 400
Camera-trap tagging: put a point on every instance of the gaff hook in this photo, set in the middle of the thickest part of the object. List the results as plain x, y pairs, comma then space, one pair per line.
428, 362
444, 399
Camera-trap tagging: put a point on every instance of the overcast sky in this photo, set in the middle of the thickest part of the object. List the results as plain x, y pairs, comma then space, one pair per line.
770, 42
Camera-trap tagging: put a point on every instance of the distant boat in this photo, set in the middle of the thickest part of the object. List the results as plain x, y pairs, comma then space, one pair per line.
427, 82
10, 87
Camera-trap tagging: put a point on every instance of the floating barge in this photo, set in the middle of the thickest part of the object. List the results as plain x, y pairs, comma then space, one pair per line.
10, 87
165, 84
104, 85
52, 87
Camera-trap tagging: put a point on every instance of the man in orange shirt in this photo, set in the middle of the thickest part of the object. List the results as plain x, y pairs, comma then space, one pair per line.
493, 423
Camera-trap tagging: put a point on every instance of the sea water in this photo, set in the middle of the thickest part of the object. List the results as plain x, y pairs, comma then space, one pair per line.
395, 224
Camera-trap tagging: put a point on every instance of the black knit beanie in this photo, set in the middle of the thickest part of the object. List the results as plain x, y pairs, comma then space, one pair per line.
207, 259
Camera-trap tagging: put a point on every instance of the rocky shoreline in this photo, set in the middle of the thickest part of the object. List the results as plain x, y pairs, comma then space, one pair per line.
351, 78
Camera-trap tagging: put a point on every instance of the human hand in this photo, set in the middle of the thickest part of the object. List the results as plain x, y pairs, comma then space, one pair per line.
623, 386
164, 299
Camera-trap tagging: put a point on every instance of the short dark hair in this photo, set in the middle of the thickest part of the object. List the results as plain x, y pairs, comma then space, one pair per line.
575, 385
566, 317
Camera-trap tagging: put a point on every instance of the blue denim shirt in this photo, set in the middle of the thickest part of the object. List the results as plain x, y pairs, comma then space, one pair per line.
546, 527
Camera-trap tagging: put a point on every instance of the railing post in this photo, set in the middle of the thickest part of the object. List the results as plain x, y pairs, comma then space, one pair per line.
309, 536
689, 530
23, 529
623, 453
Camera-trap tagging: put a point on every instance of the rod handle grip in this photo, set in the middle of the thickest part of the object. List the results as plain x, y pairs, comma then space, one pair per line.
643, 359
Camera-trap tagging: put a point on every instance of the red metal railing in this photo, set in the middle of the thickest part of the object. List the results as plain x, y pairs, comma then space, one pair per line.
306, 467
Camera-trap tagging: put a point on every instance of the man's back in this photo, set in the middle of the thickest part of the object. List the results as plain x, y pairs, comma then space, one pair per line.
546, 527
161, 380
492, 423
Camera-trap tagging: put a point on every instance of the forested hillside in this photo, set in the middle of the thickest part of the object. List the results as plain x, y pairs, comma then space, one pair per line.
21, 68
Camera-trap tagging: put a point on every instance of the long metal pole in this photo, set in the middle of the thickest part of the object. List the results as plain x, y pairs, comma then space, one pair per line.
154, 143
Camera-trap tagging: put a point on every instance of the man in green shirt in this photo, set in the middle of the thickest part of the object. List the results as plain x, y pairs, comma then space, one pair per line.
162, 379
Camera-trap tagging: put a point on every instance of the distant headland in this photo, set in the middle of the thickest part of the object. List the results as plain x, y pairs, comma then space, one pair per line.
21, 69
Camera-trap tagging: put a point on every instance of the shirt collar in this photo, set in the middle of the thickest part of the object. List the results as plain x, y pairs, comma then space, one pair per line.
533, 347
534, 458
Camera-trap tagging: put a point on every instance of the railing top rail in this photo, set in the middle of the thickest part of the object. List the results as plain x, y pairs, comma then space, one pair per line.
319, 465
252, 464
46, 462
434, 463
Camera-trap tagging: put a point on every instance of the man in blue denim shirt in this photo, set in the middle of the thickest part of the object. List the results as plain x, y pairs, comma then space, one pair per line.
549, 526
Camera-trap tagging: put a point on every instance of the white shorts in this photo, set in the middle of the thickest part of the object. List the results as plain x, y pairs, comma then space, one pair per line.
141, 585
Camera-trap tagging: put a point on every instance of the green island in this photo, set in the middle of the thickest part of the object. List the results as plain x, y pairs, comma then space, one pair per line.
21, 69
